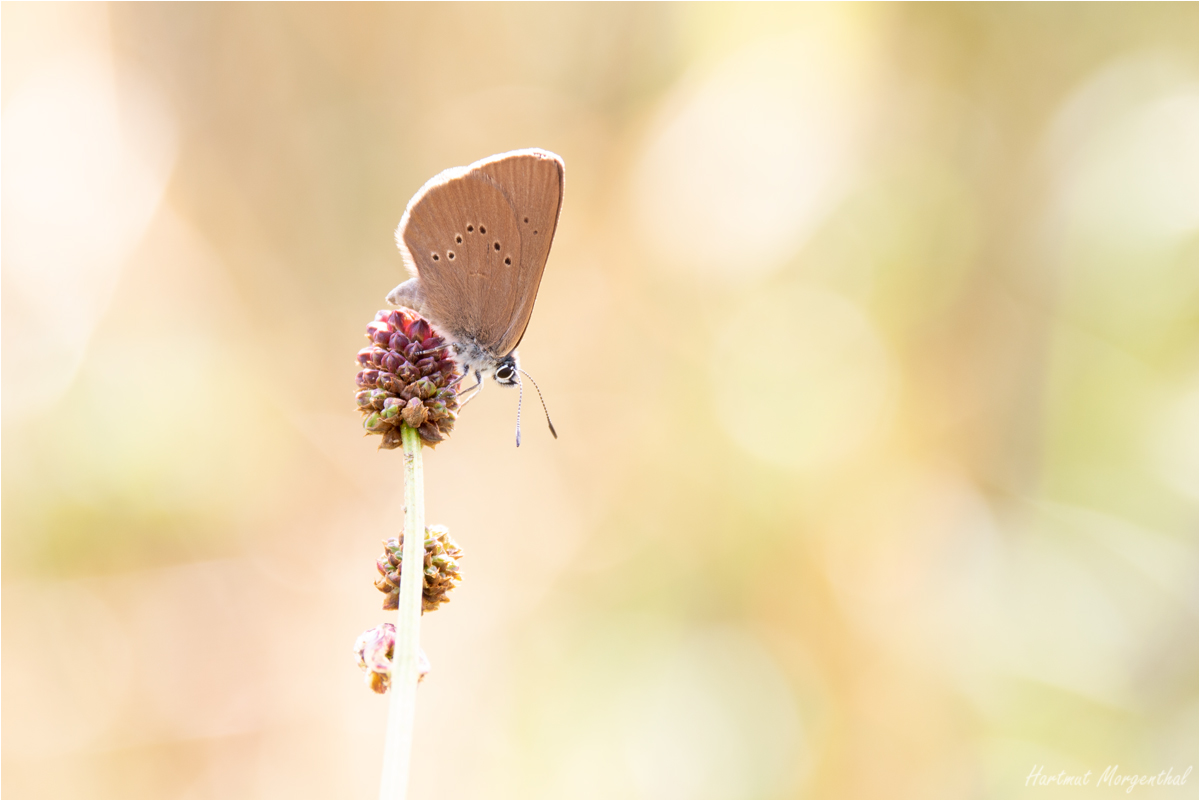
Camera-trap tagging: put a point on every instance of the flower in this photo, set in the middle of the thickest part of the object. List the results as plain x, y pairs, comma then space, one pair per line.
375, 648
441, 569
408, 377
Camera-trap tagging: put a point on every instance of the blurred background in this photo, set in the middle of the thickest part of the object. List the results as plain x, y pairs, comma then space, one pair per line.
870, 332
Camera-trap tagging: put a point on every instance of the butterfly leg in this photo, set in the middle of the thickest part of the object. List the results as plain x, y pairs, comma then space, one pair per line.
474, 389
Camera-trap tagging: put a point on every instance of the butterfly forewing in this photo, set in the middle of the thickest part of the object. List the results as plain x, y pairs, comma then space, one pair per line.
462, 239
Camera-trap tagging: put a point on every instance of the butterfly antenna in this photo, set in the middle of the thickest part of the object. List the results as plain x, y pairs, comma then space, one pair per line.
520, 396
543, 400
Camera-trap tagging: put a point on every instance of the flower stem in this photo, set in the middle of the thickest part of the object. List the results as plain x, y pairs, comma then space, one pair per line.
398, 743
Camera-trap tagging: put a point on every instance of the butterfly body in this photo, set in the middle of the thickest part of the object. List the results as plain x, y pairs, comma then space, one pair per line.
472, 356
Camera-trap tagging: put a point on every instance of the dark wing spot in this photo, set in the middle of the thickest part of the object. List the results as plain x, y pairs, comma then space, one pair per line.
535, 230
495, 245
435, 257
482, 230
470, 229
458, 238
450, 255
526, 219
507, 260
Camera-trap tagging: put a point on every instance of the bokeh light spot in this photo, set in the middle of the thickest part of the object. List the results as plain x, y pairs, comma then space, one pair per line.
807, 374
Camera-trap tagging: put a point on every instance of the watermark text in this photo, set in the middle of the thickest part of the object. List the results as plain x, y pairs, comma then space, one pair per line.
1111, 776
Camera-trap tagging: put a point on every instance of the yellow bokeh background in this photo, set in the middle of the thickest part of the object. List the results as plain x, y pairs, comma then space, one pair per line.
869, 331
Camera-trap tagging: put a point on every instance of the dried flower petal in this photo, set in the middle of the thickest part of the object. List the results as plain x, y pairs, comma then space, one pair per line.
375, 649
415, 413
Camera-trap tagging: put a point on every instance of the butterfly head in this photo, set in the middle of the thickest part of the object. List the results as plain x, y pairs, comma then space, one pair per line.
505, 373
477, 361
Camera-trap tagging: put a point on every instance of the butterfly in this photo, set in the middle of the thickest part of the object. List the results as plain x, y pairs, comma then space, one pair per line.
476, 240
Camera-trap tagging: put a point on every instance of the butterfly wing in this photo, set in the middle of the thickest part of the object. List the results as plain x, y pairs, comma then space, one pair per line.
456, 237
532, 181
477, 238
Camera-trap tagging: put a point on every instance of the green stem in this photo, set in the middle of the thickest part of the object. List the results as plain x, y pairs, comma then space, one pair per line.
397, 747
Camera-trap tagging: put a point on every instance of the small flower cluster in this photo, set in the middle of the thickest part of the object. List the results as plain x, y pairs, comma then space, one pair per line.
441, 569
407, 376
440, 574
375, 649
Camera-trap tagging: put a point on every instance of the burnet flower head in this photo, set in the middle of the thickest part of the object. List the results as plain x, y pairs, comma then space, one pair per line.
408, 376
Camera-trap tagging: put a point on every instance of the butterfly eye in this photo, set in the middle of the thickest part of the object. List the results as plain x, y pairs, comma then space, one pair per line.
504, 373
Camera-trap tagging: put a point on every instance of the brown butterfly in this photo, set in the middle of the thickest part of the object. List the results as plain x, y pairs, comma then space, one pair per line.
476, 240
